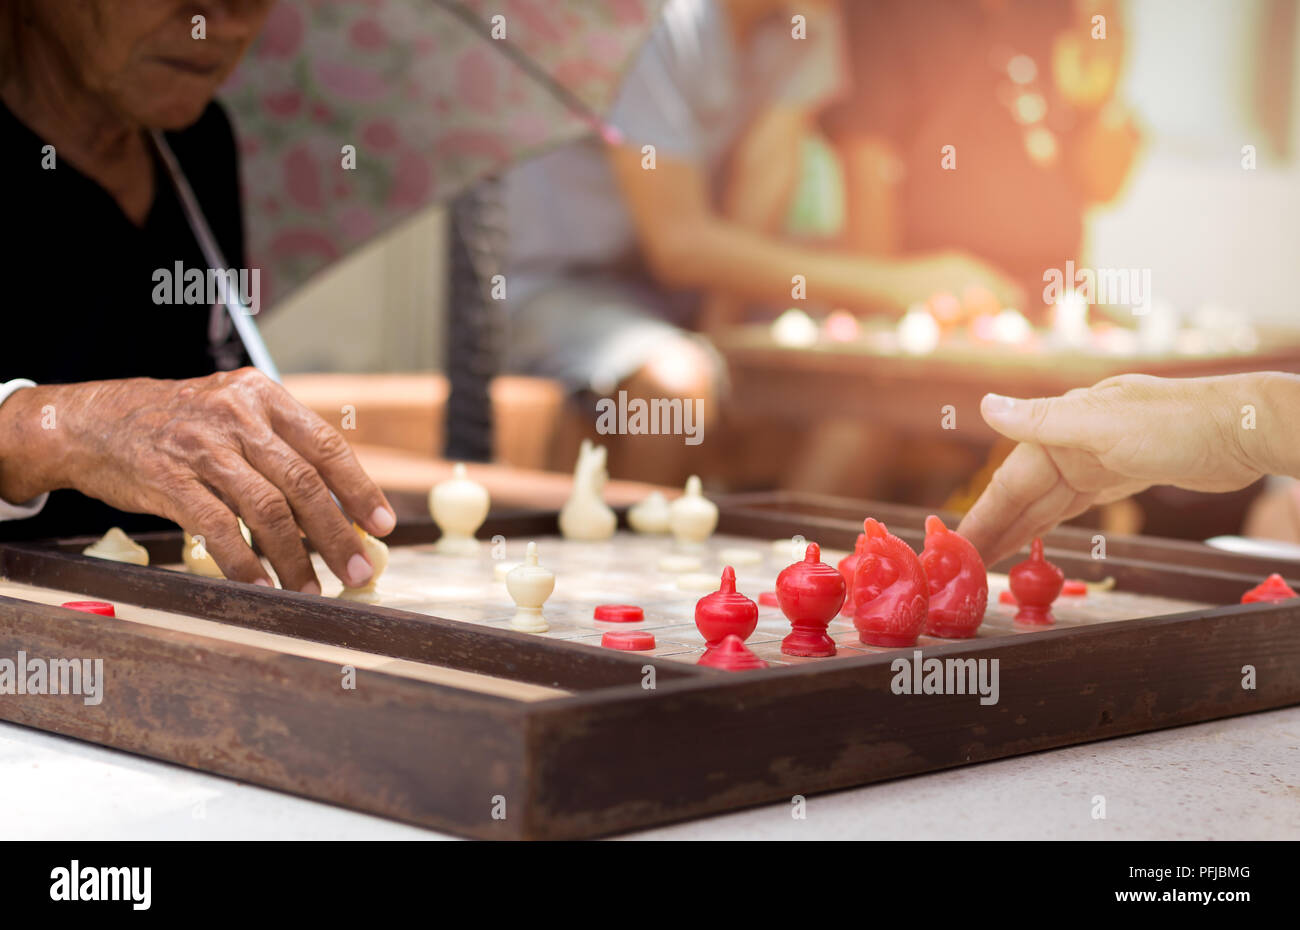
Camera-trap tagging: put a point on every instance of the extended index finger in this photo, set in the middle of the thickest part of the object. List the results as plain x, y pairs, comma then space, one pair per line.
1020, 485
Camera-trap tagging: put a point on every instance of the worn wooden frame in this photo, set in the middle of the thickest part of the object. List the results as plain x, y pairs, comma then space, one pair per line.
614, 754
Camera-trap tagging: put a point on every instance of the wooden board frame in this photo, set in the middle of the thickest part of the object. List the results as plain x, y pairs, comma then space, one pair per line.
615, 755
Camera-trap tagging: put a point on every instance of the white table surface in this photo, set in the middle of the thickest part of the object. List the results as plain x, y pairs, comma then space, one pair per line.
1229, 779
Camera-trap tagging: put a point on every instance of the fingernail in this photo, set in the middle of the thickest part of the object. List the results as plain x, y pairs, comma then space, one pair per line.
311, 587
383, 520
263, 582
359, 571
996, 403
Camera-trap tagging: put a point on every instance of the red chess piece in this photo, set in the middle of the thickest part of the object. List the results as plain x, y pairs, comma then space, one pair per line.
1035, 583
958, 583
1270, 591
811, 594
889, 591
724, 613
848, 565
731, 655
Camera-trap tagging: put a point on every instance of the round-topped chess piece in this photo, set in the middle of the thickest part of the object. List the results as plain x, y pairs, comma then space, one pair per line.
810, 594
529, 586
725, 612
1035, 583
650, 516
692, 517
459, 506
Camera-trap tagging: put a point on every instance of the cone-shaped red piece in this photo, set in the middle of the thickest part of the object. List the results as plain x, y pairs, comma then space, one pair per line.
1035, 583
725, 612
731, 655
1272, 589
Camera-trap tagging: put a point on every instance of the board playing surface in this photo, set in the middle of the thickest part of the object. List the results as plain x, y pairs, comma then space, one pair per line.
625, 570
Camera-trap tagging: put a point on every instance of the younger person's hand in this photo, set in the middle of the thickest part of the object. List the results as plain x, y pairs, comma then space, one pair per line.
1103, 443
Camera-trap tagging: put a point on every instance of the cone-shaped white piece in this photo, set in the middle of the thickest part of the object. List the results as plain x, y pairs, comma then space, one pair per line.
692, 517
651, 515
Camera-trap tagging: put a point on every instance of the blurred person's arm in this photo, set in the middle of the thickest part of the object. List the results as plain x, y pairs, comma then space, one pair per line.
762, 177
690, 245
872, 171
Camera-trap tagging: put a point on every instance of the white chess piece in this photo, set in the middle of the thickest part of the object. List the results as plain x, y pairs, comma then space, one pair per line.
376, 553
199, 561
116, 546
650, 516
585, 514
529, 586
692, 517
459, 506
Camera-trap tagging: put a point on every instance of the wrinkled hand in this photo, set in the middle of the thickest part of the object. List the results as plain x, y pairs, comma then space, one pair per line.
917, 279
1100, 444
204, 450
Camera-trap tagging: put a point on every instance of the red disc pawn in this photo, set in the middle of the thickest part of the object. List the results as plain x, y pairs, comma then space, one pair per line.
619, 613
1006, 597
731, 655
769, 599
811, 594
847, 566
724, 612
103, 608
1035, 583
630, 641
1270, 591
1075, 588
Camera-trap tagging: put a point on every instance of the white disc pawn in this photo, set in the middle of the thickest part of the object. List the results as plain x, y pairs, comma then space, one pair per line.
529, 586
459, 506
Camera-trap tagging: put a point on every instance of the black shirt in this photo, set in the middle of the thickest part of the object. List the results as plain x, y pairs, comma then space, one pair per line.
80, 284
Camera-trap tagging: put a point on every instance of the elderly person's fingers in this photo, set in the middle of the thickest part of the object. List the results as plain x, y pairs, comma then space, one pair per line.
329, 454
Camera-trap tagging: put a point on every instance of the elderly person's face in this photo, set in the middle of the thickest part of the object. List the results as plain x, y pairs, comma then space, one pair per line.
141, 57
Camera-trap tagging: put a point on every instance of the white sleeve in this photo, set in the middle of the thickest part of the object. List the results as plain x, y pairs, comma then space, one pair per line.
32, 507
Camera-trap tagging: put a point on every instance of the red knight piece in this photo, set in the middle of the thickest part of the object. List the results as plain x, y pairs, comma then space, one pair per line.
1035, 583
889, 591
958, 583
811, 594
1270, 591
848, 565
724, 612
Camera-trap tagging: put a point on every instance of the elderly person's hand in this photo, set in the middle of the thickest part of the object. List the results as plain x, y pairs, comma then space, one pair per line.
199, 452
1099, 444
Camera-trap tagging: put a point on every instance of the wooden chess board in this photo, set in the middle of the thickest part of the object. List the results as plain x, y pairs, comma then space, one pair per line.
455, 722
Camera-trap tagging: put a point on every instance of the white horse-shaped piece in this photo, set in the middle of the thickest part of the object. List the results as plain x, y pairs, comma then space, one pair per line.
585, 515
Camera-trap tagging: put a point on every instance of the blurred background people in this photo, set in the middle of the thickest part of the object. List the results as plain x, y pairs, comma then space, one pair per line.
616, 252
